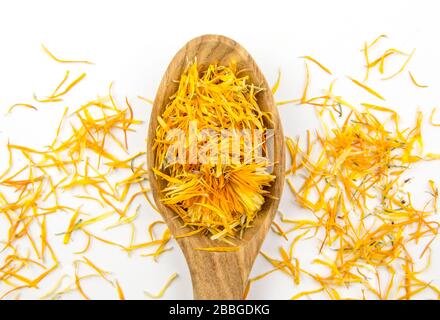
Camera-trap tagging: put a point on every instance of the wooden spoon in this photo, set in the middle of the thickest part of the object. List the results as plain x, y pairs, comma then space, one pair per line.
218, 275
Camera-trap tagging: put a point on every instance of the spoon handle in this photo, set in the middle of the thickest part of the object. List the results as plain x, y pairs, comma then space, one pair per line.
218, 275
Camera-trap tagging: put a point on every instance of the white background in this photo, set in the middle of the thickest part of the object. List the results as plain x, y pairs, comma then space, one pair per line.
132, 42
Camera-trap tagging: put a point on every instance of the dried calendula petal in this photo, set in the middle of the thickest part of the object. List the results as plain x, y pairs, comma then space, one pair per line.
164, 289
317, 63
50, 54
24, 105
431, 118
402, 67
434, 193
277, 83
415, 82
120, 292
64, 165
365, 87
352, 178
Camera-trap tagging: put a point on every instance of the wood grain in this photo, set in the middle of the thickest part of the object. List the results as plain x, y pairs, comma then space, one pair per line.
218, 275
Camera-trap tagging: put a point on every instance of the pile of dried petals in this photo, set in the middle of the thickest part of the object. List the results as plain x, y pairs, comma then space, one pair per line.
351, 177
214, 195
86, 150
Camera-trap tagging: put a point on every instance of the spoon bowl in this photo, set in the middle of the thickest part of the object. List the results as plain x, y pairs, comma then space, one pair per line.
218, 275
